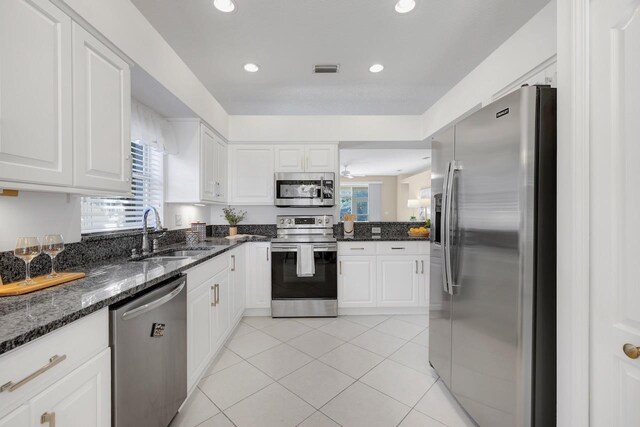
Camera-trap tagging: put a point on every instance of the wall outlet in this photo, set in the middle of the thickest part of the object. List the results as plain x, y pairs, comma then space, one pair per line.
178, 220
376, 230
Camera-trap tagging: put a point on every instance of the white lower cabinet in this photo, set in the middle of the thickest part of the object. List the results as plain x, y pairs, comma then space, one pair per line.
398, 280
258, 275
199, 330
383, 274
238, 282
221, 308
81, 399
18, 418
357, 281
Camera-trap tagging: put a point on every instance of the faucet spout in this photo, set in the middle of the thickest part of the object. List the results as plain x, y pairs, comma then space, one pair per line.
145, 231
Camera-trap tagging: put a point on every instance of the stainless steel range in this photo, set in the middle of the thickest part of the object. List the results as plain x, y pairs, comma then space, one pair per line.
304, 277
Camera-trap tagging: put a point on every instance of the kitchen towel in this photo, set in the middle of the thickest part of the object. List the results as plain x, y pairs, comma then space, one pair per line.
305, 267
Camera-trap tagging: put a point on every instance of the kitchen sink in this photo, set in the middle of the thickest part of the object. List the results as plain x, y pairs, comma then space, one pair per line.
164, 258
183, 253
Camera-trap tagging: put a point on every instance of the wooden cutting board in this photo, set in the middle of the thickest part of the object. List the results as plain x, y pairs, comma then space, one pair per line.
40, 282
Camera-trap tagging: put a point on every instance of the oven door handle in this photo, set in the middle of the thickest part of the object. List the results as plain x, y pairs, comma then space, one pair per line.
294, 248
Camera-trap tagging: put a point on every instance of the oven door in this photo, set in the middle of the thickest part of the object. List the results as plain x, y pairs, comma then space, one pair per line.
285, 283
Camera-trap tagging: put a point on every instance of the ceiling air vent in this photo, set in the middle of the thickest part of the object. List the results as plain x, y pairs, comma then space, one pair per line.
325, 69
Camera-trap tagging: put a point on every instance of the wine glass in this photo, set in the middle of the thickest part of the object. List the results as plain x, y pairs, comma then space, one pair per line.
52, 245
27, 248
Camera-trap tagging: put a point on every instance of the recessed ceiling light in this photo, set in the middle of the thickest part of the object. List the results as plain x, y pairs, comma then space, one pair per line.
251, 67
376, 68
405, 6
227, 6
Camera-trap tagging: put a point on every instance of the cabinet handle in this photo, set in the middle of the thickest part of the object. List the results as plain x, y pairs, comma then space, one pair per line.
416, 266
213, 303
340, 265
267, 254
53, 361
217, 293
48, 417
422, 262
233, 267
357, 249
397, 249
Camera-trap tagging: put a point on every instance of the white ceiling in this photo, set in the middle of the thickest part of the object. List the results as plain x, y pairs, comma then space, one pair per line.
425, 52
373, 162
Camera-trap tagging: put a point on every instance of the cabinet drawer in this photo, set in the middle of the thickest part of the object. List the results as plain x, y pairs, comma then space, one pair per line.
73, 345
200, 273
356, 248
398, 248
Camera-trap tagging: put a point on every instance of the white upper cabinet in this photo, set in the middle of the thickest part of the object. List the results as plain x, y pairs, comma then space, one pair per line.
198, 173
101, 116
251, 174
306, 158
35, 93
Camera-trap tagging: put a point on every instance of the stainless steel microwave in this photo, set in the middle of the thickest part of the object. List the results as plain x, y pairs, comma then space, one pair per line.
305, 189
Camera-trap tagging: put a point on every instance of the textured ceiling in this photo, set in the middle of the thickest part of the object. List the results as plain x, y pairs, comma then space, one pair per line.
425, 52
372, 162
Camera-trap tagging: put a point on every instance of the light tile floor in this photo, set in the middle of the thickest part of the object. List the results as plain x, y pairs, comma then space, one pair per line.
352, 371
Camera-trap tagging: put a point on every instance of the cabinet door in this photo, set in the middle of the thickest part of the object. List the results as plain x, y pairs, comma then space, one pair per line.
320, 158
398, 278
289, 158
251, 174
258, 275
17, 418
221, 160
101, 116
81, 399
199, 332
425, 274
221, 311
238, 282
357, 281
35, 93
207, 164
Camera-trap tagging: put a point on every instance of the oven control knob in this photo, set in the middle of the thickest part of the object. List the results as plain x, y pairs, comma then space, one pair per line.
319, 220
282, 221
289, 221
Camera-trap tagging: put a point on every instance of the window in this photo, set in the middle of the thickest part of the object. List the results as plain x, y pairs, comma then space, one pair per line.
354, 200
125, 213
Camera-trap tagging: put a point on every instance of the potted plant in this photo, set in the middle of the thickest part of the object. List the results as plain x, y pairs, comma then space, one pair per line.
233, 218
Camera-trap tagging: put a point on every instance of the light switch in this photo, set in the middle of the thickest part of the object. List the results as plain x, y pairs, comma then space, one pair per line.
178, 220
376, 230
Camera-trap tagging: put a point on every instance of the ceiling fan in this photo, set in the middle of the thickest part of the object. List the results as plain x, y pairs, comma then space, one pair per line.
347, 174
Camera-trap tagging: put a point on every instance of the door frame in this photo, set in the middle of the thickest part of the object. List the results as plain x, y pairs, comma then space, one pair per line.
573, 217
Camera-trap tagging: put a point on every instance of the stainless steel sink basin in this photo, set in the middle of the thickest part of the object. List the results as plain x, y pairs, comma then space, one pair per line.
183, 253
164, 258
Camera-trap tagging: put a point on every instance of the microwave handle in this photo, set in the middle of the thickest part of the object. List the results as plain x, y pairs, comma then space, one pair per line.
322, 190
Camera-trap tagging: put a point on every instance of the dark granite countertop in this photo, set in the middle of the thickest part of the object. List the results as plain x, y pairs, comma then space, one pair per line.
26, 317
399, 238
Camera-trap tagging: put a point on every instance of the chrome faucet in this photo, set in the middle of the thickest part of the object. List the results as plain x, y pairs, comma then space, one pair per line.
145, 232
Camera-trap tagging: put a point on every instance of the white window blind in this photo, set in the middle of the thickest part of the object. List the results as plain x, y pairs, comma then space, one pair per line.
123, 213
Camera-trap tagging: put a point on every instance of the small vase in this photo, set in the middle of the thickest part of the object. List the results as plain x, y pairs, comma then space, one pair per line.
233, 231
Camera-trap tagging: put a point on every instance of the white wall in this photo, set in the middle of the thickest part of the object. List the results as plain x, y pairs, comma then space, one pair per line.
324, 128
525, 57
178, 216
37, 214
123, 24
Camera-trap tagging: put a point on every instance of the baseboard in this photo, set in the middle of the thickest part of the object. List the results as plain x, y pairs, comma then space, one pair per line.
382, 311
252, 312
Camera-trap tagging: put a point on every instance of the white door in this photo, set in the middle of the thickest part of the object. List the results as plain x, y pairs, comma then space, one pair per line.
238, 282
35, 93
221, 311
357, 281
207, 164
101, 116
289, 158
258, 275
199, 333
398, 278
615, 180
251, 177
221, 171
320, 158
81, 399
17, 418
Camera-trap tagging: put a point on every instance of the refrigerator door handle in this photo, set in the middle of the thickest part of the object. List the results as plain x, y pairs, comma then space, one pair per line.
443, 227
453, 167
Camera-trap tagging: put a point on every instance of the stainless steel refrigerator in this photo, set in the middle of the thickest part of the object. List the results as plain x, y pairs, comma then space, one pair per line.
493, 260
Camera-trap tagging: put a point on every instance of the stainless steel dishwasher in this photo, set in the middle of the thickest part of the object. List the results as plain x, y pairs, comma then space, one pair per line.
148, 337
